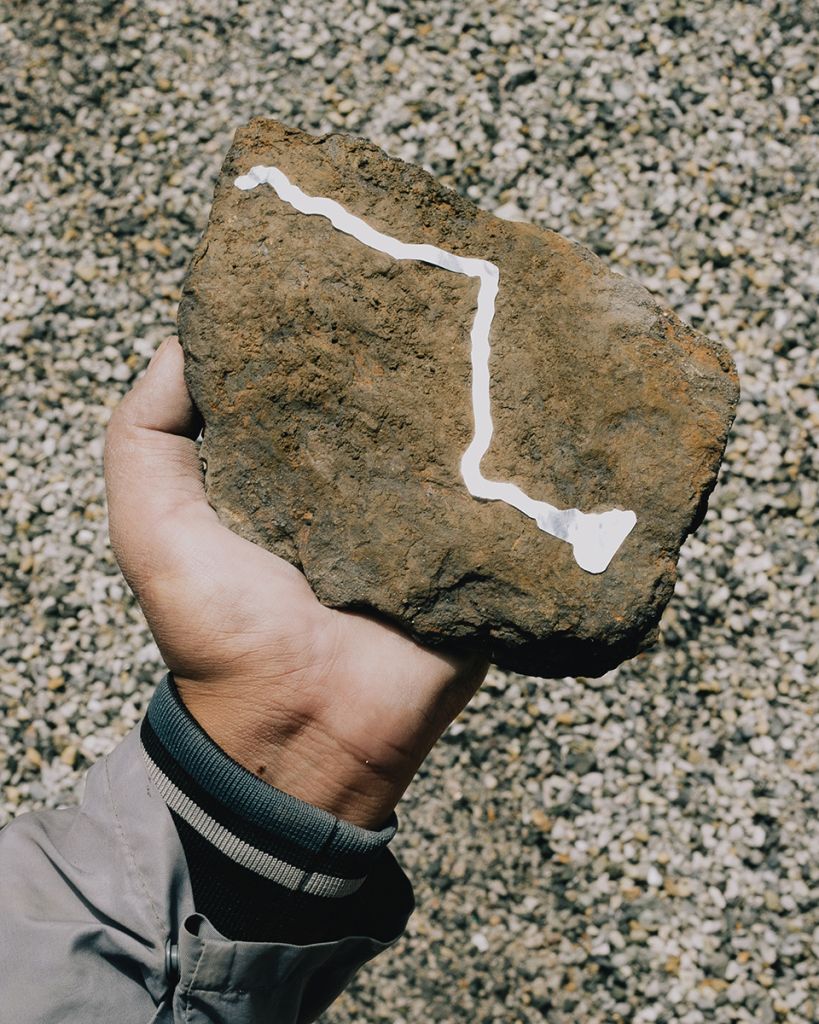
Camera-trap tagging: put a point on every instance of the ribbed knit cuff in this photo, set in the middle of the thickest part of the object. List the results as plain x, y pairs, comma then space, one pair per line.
264, 865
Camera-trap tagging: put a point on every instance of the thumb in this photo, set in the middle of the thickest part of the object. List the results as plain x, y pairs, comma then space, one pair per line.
153, 475
159, 400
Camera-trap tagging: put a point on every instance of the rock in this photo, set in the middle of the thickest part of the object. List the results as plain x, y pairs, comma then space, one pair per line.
335, 385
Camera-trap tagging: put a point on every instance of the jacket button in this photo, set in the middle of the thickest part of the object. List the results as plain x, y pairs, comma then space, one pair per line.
171, 962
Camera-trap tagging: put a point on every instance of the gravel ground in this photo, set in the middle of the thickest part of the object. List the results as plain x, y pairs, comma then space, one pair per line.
643, 847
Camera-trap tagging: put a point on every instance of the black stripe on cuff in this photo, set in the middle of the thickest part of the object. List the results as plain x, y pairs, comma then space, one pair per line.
244, 907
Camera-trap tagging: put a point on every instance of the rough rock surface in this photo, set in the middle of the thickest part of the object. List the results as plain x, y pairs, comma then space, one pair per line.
334, 382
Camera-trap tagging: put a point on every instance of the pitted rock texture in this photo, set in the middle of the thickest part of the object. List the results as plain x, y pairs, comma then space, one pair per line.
334, 382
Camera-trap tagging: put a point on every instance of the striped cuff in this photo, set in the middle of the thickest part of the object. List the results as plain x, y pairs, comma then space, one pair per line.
264, 865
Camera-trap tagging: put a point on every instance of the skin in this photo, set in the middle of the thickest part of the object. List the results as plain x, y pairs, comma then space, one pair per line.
336, 708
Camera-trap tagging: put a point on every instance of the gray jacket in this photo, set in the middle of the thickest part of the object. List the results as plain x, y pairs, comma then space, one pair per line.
97, 923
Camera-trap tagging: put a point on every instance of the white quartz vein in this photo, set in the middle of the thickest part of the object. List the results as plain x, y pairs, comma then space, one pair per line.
595, 537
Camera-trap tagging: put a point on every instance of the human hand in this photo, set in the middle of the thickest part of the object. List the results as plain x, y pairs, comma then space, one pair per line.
333, 707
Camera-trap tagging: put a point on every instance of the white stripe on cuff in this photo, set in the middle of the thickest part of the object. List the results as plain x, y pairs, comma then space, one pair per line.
250, 857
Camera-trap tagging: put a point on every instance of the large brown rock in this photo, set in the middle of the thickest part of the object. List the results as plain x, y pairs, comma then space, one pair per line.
335, 381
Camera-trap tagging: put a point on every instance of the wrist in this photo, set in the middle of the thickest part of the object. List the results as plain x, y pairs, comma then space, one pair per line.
292, 751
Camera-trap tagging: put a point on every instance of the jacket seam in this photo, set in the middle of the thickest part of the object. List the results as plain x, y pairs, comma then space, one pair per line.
161, 1008
130, 853
188, 991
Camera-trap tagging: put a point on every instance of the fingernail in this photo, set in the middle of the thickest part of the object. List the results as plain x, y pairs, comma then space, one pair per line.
163, 345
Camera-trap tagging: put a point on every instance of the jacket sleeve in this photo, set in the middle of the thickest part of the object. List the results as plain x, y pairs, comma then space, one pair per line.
108, 910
